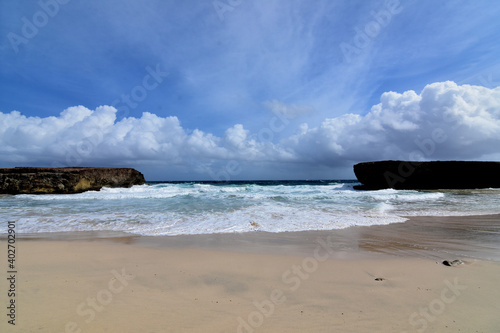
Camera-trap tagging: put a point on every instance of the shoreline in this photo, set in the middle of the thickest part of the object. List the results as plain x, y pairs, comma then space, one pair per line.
472, 236
386, 278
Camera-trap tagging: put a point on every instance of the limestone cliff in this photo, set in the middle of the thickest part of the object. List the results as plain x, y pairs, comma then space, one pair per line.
28, 180
416, 175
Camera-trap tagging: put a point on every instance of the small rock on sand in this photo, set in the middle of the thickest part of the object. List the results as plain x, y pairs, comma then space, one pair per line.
452, 262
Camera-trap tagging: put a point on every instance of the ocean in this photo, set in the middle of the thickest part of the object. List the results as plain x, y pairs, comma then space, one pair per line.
180, 208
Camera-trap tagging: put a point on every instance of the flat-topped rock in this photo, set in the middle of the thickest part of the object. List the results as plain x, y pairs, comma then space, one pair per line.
416, 175
33, 180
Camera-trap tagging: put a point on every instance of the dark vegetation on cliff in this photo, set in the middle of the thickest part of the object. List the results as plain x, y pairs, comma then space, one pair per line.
28, 180
415, 175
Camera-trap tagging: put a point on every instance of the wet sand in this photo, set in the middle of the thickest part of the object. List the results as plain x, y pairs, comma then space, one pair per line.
362, 279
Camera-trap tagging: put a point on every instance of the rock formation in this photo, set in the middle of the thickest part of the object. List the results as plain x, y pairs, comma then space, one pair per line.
415, 175
27, 180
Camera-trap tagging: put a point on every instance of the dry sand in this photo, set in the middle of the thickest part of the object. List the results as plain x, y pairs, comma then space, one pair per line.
259, 282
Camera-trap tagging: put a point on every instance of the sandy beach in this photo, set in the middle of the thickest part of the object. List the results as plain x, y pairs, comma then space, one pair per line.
362, 279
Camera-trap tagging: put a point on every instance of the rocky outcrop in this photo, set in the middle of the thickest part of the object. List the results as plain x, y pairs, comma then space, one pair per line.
27, 180
427, 175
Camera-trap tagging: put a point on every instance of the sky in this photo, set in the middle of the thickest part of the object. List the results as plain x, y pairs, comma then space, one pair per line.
247, 89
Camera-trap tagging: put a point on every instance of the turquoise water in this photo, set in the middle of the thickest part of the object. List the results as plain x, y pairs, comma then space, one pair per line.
204, 208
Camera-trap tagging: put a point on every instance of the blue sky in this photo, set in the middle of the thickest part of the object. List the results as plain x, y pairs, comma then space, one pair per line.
240, 89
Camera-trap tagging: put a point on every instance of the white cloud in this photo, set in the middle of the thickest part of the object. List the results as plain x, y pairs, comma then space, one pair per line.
444, 121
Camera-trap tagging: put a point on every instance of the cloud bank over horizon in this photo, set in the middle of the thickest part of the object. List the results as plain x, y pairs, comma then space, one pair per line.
247, 89
444, 121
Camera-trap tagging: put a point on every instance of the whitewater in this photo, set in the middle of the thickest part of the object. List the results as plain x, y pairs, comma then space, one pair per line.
163, 208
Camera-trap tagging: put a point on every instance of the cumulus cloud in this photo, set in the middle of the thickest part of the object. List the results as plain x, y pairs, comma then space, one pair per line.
444, 121
80, 136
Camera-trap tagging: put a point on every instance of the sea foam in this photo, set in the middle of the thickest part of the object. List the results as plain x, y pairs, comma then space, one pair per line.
204, 208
